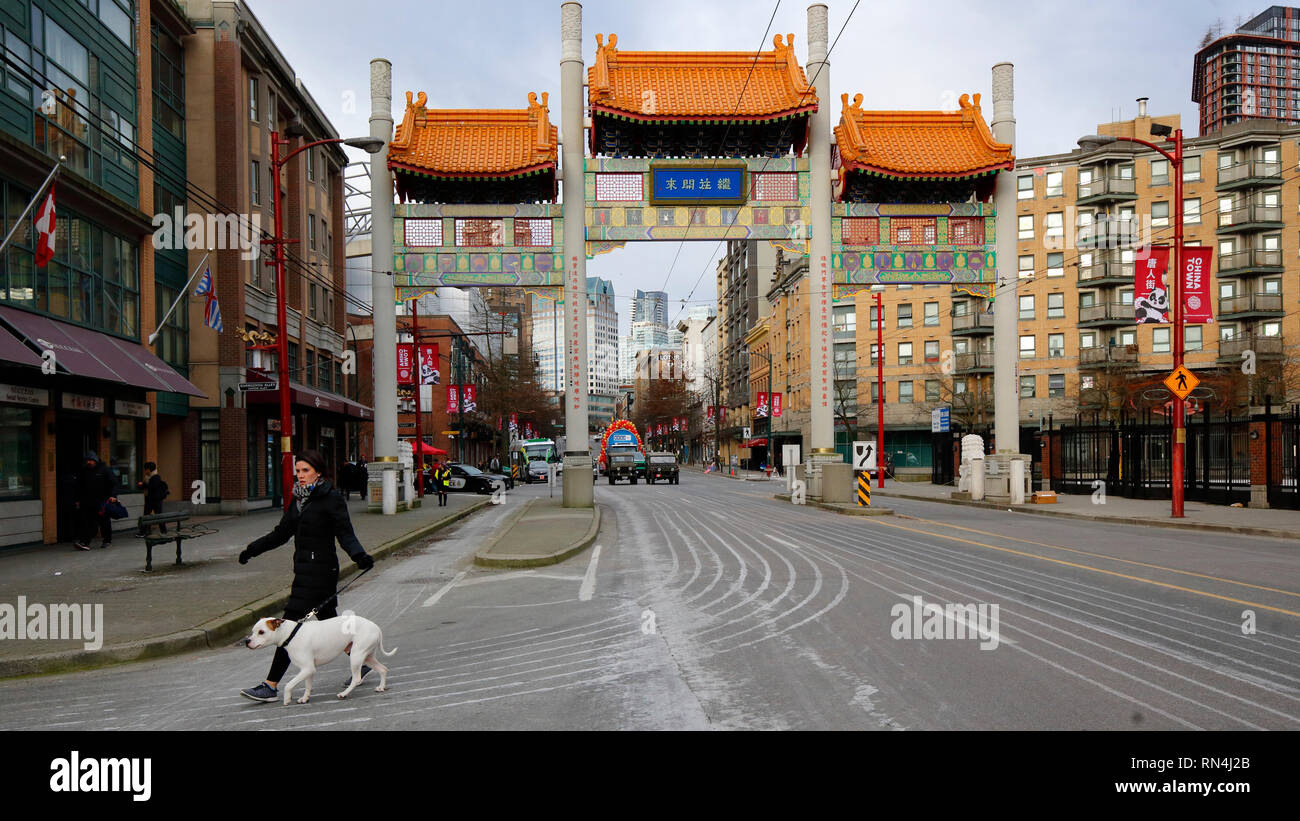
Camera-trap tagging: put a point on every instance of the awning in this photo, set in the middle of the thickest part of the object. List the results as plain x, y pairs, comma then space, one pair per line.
359, 411
83, 352
303, 396
14, 351
755, 443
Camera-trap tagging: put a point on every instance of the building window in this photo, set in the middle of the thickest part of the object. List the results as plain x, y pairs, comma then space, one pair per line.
875, 392
271, 109
1027, 346
966, 230
533, 232
1160, 340
310, 375
311, 232
1055, 184
914, 230
1192, 338
1028, 385
904, 393
168, 85
479, 232
1271, 329
932, 390
1025, 222
311, 164
1160, 172
1088, 339
1056, 306
1128, 337
1026, 266
1159, 214
1056, 385
1192, 211
210, 452
1087, 299
255, 182
324, 368
958, 387
1056, 346
860, 230
1056, 264
1027, 307
931, 318
116, 18
905, 353
253, 100
1025, 187
932, 350
1055, 225
874, 353
905, 315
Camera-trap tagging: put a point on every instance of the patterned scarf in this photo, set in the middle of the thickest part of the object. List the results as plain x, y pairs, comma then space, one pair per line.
300, 494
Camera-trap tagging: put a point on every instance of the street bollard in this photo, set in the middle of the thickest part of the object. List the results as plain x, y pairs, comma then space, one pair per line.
977, 480
1017, 481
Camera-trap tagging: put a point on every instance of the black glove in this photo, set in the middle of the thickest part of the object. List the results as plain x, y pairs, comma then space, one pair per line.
364, 561
245, 555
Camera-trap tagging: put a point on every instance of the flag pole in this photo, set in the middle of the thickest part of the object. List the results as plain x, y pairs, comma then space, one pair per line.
30, 205
184, 293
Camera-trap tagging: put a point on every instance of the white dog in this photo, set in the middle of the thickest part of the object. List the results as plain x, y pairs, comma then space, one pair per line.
317, 642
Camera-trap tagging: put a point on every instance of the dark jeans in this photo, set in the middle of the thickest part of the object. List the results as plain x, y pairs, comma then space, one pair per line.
280, 663
442, 496
151, 508
88, 519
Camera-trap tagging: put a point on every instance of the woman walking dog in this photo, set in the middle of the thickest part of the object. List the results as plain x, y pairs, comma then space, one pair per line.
316, 517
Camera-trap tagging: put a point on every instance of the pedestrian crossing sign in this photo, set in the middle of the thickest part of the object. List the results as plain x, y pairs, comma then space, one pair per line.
1181, 382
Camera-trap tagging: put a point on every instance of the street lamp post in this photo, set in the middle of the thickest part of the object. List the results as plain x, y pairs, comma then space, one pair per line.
1179, 452
371, 145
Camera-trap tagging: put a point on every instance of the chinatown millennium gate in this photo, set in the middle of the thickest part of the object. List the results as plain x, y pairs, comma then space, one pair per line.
701, 146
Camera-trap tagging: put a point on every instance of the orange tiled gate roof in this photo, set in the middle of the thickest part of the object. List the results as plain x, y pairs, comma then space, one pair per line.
474, 143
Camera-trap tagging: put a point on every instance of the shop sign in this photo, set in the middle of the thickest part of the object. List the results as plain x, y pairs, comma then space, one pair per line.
140, 410
22, 395
80, 402
327, 433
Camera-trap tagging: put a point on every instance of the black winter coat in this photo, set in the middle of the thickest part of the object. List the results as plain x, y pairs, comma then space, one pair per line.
323, 519
153, 490
95, 485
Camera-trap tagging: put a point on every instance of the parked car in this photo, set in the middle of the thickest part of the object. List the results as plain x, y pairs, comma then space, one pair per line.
501, 478
662, 467
621, 466
470, 479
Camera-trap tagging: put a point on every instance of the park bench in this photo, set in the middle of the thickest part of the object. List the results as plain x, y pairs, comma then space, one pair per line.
179, 533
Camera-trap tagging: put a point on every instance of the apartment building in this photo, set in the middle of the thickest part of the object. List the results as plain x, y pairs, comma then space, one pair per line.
744, 276
1250, 73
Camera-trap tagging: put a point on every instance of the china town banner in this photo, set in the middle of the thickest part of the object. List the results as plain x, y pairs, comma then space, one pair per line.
776, 404
677, 424
453, 399
514, 423
429, 373
1194, 289
405, 364
469, 397
528, 430
1150, 291
760, 406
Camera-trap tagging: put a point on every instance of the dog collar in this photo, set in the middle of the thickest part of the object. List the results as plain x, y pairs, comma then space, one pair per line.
296, 628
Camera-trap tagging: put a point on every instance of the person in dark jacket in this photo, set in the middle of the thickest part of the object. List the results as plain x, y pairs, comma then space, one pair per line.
316, 517
155, 490
96, 485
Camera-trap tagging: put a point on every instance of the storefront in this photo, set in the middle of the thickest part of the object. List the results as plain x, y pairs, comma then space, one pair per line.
322, 421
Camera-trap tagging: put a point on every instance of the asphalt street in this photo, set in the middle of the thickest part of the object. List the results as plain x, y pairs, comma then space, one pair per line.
711, 605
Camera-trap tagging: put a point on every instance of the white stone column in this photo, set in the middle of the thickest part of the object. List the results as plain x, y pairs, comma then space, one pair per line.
384, 466
822, 438
1006, 340
578, 490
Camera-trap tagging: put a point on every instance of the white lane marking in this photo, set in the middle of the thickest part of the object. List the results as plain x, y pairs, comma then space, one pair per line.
588, 588
968, 628
432, 600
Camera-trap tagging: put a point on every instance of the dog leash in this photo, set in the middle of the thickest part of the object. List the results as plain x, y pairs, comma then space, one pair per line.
312, 613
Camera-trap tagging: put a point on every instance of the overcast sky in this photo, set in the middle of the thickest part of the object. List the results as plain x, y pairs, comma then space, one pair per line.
1077, 64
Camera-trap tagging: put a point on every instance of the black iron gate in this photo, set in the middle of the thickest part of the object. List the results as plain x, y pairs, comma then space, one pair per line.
1282, 458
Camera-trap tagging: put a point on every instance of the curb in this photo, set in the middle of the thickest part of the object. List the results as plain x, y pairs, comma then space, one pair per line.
558, 556
843, 510
1240, 530
211, 634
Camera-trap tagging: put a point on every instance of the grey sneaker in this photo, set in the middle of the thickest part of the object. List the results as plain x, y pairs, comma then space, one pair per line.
262, 692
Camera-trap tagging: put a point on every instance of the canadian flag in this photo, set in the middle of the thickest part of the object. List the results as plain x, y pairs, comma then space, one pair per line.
45, 230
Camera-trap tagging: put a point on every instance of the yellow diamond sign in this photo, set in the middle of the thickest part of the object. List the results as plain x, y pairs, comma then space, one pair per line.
1181, 382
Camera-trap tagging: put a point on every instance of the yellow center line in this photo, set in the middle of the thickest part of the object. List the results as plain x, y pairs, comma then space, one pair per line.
1107, 558
1094, 569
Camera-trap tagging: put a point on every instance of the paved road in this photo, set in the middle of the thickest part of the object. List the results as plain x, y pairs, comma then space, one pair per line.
709, 604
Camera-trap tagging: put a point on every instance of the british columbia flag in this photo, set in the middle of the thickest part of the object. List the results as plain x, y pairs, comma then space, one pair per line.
211, 310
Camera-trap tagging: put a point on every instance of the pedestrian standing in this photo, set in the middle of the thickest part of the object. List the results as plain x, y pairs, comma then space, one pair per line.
155, 490
495, 464
96, 486
441, 479
317, 516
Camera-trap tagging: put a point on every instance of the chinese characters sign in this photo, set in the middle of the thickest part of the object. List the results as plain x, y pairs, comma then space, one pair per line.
708, 185
776, 404
1150, 296
760, 407
1194, 289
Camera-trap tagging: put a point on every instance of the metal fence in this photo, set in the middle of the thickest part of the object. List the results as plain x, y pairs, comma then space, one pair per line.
1133, 458
1282, 458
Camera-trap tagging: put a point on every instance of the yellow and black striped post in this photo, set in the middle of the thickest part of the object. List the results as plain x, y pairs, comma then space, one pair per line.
864, 488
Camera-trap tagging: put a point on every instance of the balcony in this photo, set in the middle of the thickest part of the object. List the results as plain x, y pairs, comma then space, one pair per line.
1109, 356
846, 333
1106, 314
1264, 347
1107, 189
1107, 233
1249, 175
1106, 272
972, 324
1250, 261
978, 362
1250, 218
1250, 306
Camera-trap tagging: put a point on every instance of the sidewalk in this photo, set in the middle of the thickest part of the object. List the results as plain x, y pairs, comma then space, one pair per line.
541, 532
207, 602
1282, 524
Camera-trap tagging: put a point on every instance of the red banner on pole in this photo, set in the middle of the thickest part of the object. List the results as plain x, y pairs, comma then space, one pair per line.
1194, 289
468, 397
405, 364
1150, 292
760, 407
453, 398
776, 404
430, 373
